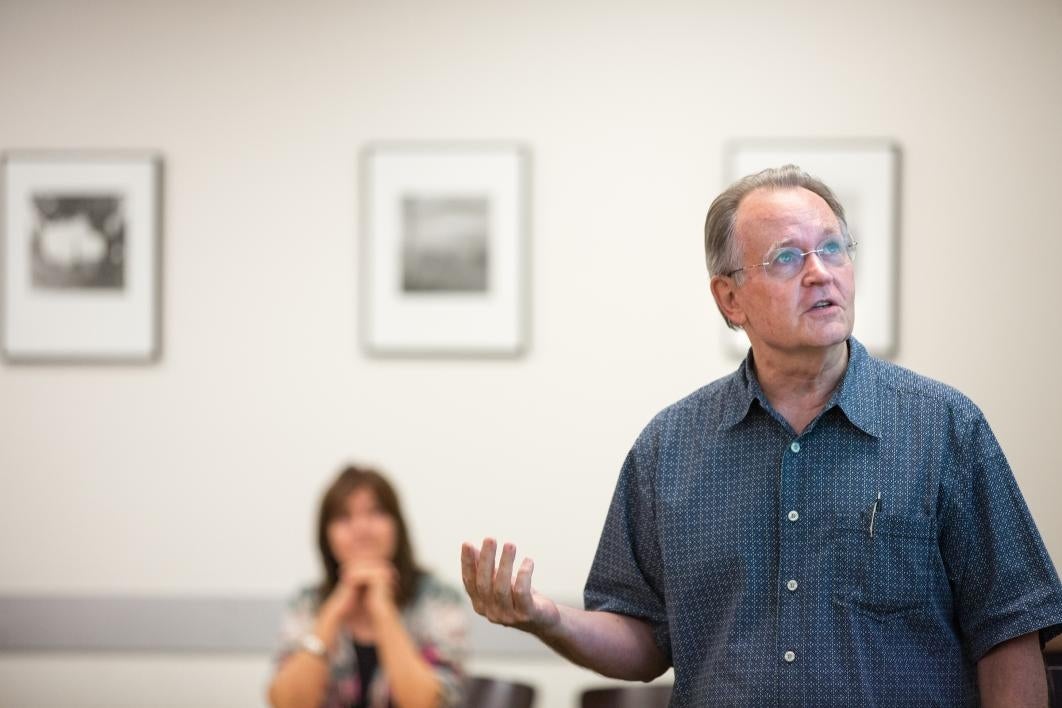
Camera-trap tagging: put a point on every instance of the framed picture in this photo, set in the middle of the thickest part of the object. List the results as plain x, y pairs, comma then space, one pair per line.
865, 176
444, 265
80, 257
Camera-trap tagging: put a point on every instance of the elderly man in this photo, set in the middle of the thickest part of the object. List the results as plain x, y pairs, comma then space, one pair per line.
819, 528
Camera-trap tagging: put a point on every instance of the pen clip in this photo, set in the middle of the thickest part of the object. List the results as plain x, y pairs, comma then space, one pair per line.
874, 513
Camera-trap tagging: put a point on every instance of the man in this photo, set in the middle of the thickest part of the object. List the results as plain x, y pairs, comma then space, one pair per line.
820, 528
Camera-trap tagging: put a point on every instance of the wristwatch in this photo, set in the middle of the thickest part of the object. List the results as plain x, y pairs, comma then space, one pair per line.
312, 643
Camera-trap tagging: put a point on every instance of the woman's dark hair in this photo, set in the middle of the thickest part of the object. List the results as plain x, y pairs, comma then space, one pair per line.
350, 480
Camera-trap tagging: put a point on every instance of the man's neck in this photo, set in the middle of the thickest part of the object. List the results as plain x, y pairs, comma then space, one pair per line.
799, 384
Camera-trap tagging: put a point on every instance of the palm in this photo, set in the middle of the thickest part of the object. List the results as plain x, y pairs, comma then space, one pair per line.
501, 596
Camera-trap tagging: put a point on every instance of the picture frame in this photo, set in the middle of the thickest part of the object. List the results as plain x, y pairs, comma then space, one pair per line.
444, 249
80, 257
865, 176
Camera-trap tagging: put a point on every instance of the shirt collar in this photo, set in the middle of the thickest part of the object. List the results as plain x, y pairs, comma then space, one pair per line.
857, 396
744, 389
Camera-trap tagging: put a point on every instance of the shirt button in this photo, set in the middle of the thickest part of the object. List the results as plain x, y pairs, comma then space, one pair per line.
793, 515
790, 657
795, 447
792, 585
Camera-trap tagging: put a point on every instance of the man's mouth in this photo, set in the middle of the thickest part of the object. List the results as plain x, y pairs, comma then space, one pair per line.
822, 304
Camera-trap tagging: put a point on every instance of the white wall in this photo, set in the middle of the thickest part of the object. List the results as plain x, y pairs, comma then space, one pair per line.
199, 475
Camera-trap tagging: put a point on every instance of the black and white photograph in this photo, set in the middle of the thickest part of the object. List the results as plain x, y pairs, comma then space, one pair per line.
443, 243
865, 175
80, 258
78, 241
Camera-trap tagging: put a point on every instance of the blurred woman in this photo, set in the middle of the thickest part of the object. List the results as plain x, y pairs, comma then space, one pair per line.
378, 632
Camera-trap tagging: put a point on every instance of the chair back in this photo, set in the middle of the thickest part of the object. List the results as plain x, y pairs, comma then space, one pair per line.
657, 696
1054, 686
484, 692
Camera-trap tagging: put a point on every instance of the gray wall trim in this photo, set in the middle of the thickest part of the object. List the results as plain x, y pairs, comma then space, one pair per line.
134, 623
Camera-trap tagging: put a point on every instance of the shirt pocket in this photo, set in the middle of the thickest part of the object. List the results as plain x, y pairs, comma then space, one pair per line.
888, 573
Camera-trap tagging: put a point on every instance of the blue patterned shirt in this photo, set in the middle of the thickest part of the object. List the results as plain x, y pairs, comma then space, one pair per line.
771, 573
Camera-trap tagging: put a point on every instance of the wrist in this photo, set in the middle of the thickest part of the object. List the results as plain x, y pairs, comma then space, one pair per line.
326, 628
550, 626
313, 644
383, 609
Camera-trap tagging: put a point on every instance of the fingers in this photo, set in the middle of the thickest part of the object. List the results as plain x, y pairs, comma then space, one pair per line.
503, 579
468, 566
523, 601
485, 570
494, 592
468, 571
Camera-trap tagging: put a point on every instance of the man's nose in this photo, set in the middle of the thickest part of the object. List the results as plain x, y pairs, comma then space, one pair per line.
815, 271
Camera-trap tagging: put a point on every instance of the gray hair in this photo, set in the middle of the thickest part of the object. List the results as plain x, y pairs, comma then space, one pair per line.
720, 247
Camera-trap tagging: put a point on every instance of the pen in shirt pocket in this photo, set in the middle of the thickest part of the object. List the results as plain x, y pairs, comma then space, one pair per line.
873, 513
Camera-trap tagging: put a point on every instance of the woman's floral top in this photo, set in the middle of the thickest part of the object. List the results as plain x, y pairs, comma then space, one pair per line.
436, 621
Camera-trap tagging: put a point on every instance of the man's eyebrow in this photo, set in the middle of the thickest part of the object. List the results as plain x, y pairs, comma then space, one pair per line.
827, 234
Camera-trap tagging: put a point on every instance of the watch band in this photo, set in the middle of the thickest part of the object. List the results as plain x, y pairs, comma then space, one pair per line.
312, 643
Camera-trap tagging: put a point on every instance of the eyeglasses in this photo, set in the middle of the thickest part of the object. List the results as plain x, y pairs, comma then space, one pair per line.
784, 263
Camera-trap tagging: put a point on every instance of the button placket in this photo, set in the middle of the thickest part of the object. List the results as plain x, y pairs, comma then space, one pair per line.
793, 495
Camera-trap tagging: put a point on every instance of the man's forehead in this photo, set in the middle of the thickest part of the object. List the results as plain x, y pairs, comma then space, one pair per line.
786, 214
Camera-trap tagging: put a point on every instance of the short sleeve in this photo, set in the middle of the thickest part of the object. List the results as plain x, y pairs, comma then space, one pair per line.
297, 622
438, 624
626, 576
1003, 580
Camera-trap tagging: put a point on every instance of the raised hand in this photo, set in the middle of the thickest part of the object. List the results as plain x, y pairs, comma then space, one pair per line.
500, 597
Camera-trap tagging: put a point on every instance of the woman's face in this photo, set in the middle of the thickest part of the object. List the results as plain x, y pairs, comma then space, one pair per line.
362, 530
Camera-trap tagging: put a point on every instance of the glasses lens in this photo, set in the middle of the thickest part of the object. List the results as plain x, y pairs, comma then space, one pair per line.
785, 263
833, 252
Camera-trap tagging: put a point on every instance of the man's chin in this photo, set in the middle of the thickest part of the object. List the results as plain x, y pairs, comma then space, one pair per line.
829, 334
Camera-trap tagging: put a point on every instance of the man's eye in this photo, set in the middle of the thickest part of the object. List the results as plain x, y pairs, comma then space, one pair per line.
832, 247
785, 257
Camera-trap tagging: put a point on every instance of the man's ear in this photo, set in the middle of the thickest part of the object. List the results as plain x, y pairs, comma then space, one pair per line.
725, 293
